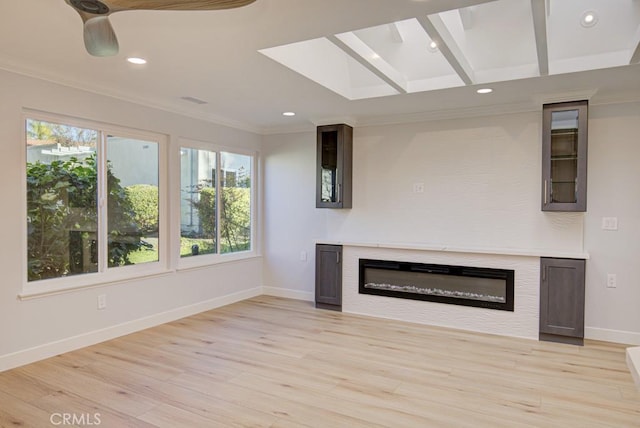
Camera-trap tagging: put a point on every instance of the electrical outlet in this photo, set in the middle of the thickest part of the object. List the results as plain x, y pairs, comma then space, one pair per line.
612, 281
418, 187
609, 223
102, 302
303, 256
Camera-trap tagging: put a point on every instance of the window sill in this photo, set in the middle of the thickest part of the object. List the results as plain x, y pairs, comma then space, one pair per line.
70, 284
57, 286
207, 260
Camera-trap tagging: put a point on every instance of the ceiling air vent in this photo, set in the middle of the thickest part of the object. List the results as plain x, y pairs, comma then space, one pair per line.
194, 100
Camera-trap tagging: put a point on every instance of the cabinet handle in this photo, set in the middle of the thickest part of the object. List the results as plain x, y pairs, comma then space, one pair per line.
339, 192
337, 258
544, 274
545, 192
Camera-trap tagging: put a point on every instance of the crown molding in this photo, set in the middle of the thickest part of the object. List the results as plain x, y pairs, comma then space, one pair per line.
289, 129
619, 98
560, 97
349, 120
58, 79
448, 114
535, 105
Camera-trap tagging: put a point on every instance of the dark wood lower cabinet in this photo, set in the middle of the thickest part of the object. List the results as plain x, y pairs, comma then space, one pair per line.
562, 300
329, 277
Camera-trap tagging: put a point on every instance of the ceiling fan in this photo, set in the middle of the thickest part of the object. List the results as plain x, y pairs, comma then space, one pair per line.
99, 37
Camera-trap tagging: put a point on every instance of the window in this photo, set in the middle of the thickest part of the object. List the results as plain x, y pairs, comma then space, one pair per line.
204, 228
133, 201
198, 202
235, 202
62, 200
93, 200
96, 204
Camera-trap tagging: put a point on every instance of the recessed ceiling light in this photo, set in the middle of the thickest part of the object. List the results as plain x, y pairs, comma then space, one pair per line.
484, 90
589, 19
288, 113
137, 61
433, 47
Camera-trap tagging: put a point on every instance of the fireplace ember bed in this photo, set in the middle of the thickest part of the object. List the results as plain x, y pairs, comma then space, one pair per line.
459, 285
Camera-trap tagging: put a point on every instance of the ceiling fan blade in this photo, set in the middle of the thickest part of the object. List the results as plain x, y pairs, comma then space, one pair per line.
99, 37
176, 4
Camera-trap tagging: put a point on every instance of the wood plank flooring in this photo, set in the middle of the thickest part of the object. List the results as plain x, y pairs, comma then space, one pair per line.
272, 362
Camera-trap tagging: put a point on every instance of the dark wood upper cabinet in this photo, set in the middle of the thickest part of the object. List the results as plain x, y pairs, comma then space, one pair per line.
334, 159
564, 156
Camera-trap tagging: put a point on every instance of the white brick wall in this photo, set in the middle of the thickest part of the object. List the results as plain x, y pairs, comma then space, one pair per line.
522, 322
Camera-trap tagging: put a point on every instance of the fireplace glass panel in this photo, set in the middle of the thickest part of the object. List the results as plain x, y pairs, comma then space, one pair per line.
459, 287
469, 286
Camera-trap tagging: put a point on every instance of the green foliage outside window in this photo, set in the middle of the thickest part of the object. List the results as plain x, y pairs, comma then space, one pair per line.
206, 206
144, 201
235, 216
235, 219
62, 219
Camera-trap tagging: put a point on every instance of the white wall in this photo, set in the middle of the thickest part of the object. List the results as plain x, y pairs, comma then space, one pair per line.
482, 189
28, 326
291, 224
613, 191
482, 186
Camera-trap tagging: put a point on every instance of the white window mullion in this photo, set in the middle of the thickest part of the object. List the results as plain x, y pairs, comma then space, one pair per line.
103, 242
218, 190
254, 203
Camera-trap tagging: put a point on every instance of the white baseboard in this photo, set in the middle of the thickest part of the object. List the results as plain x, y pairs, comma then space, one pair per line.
615, 336
633, 362
51, 349
289, 294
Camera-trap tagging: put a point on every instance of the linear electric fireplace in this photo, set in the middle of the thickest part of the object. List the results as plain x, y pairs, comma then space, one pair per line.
458, 285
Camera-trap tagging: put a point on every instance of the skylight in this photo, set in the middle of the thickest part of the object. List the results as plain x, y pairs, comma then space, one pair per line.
325, 63
496, 41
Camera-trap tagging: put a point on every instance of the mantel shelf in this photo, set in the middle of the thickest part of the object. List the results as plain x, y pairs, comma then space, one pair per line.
453, 249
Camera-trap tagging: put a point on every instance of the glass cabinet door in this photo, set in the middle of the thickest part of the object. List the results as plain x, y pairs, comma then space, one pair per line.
329, 191
564, 156
334, 157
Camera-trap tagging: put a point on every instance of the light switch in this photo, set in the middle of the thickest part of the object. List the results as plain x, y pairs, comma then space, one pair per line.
612, 281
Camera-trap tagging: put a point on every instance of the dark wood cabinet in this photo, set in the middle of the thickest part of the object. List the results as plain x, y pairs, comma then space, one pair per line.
334, 159
329, 277
564, 156
562, 300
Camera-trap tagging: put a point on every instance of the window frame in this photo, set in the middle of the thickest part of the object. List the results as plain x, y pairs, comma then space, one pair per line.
105, 274
204, 260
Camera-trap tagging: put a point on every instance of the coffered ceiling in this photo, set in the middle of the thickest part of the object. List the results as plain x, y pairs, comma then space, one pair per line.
485, 43
360, 61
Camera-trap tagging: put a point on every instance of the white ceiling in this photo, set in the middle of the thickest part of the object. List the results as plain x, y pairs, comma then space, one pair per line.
214, 56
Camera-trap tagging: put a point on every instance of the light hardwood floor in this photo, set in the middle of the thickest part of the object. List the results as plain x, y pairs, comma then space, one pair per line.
272, 362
